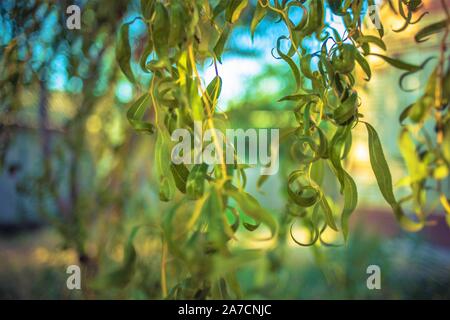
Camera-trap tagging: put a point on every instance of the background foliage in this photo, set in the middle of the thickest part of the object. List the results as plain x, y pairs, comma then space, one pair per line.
205, 231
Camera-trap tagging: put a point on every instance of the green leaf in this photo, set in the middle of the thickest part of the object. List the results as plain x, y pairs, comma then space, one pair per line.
427, 31
326, 69
446, 142
180, 174
312, 228
348, 186
384, 180
317, 172
220, 45
213, 210
398, 63
372, 39
123, 52
350, 202
328, 213
343, 58
197, 108
405, 114
316, 17
258, 15
233, 228
163, 161
220, 7
195, 185
363, 64
147, 7
261, 180
347, 110
147, 51
161, 29
416, 168
337, 144
408, 73
289, 61
305, 66
234, 10
418, 110
170, 234
177, 23
136, 112
213, 91
323, 146
253, 209
305, 195
304, 20
300, 97
251, 227
335, 6
380, 166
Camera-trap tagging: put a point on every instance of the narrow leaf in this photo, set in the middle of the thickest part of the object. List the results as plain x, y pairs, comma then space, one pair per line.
398, 63
258, 15
427, 31
220, 45
384, 180
123, 52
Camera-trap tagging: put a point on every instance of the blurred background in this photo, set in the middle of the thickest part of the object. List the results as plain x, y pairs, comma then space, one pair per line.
75, 178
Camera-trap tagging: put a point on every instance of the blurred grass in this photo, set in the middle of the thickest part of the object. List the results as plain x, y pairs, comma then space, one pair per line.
33, 267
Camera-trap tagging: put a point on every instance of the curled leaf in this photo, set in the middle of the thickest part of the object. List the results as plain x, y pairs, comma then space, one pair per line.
328, 213
252, 208
289, 61
305, 195
372, 39
136, 112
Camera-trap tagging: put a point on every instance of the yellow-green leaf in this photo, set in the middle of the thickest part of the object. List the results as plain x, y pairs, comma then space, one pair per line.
384, 180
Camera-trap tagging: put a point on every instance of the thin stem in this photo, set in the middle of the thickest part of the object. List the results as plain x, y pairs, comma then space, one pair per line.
440, 80
163, 269
209, 112
438, 102
155, 108
215, 67
285, 18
